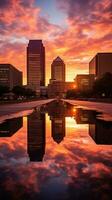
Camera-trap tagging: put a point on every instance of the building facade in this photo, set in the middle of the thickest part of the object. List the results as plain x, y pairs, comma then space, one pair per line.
10, 76
35, 65
69, 86
84, 81
59, 88
58, 69
56, 89
101, 64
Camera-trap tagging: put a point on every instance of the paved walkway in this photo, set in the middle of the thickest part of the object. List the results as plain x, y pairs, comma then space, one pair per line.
105, 108
17, 107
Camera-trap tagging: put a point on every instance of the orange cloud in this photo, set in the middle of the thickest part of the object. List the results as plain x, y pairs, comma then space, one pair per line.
88, 31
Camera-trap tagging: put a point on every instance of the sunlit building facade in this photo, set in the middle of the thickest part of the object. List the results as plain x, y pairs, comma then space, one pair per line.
59, 88
10, 76
58, 69
35, 65
84, 81
101, 64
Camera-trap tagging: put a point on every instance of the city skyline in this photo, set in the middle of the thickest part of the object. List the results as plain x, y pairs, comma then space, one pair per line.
55, 99
74, 30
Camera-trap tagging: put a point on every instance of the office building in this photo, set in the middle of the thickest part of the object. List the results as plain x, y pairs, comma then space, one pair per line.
58, 69
69, 86
101, 64
59, 88
35, 65
56, 89
10, 76
84, 81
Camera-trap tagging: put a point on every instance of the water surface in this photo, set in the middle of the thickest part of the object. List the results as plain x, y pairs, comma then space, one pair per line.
58, 152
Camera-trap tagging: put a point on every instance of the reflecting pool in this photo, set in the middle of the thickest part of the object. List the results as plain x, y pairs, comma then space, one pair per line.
57, 152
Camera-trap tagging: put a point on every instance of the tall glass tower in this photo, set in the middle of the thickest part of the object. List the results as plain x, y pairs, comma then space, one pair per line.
35, 65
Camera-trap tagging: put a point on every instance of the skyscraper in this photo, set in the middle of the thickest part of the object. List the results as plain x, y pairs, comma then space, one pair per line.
58, 69
101, 64
35, 65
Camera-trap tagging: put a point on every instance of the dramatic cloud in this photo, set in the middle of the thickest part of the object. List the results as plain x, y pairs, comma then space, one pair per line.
86, 31
19, 22
89, 30
75, 166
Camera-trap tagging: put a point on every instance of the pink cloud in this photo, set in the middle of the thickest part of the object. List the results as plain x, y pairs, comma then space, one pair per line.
88, 31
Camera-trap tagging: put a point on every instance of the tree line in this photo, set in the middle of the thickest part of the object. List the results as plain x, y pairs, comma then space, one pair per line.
17, 91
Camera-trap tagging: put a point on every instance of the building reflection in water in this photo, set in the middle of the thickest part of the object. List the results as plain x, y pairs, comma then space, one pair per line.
101, 132
58, 129
10, 127
36, 136
85, 116
57, 112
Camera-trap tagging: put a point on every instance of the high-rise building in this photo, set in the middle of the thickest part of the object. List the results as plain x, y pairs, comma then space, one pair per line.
10, 76
101, 64
58, 69
35, 65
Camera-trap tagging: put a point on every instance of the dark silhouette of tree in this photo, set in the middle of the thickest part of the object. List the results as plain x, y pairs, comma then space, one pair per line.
3, 90
71, 94
19, 90
79, 93
29, 92
22, 91
103, 86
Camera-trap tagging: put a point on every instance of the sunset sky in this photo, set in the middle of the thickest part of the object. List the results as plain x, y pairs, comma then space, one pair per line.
75, 30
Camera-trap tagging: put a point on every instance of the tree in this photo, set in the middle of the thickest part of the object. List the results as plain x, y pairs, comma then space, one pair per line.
22, 91
71, 94
19, 90
85, 93
3, 89
29, 92
103, 86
